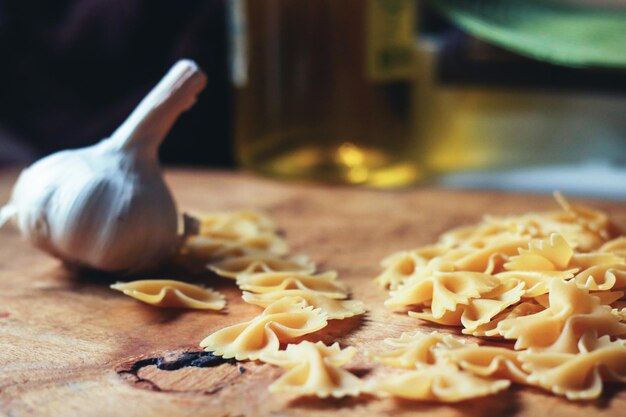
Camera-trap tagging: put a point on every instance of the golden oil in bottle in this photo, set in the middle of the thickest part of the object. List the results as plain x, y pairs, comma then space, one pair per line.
322, 89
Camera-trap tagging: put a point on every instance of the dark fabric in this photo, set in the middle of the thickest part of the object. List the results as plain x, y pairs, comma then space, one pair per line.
72, 70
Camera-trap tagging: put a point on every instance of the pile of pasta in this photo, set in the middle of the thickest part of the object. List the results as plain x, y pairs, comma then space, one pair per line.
246, 246
295, 299
543, 290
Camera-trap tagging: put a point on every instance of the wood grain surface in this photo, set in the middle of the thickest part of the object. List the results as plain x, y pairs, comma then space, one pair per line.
70, 346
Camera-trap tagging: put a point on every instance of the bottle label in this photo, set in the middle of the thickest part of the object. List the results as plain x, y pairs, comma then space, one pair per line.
390, 39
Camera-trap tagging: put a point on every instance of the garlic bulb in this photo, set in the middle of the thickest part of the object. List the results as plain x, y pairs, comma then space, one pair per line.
106, 206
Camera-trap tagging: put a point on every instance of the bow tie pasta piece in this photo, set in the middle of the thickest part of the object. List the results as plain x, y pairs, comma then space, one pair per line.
470, 236
602, 277
234, 225
169, 293
553, 253
335, 309
595, 222
571, 312
616, 246
417, 350
489, 361
577, 376
490, 329
261, 262
482, 260
402, 265
478, 311
212, 248
552, 282
220, 235
606, 297
577, 327
449, 318
314, 369
282, 320
325, 284
442, 383
584, 229
536, 282
444, 291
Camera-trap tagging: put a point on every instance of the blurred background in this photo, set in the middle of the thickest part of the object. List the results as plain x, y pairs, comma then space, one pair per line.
505, 94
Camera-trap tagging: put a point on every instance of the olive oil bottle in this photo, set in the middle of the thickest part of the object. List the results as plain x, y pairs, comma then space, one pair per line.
322, 89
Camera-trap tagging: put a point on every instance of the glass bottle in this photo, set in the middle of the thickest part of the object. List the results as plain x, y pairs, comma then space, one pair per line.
322, 89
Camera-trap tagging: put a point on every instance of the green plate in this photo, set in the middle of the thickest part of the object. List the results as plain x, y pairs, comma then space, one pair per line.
560, 32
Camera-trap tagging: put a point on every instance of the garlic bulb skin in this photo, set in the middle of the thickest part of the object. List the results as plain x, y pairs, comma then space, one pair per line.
70, 205
107, 206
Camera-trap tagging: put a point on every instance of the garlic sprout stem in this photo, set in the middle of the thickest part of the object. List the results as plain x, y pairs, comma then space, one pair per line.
149, 123
7, 212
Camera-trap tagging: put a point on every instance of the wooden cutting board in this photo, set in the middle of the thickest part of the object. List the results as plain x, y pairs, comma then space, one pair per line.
70, 346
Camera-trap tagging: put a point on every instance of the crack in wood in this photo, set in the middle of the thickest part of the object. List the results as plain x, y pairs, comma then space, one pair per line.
197, 359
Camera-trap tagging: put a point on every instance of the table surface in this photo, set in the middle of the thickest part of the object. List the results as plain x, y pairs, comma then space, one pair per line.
71, 346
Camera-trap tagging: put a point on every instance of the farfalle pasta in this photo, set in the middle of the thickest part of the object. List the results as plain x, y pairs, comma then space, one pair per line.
214, 237
260, 263
482, 310
422, 349
444, 383
579, 375
572, 311
400, 266
443, 291
464, 361
281, 321
551, 284
170, 293
584, 229
550, 254
536, 283
490, 329
234, 225
325, 283
489, 362
208, 248
417, 350
334, 308
615, 246
245, 246
602, 277
477, 311
314, 369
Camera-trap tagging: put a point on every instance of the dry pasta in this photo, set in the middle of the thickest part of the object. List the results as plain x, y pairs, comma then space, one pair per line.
217, 236
261, 262
245, 246
281, 321
314, 369
335, 309
169, 293
442, 290
442, 383
551, 283
325, 284
572, 312
578, 376
417, 350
